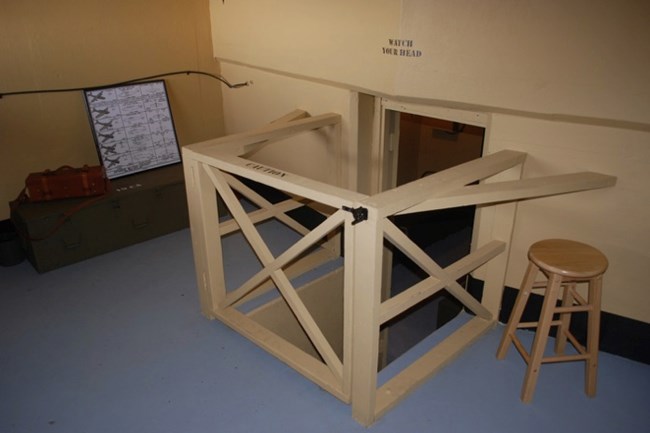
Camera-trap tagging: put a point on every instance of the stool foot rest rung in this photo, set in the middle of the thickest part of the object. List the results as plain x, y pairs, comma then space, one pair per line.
582, 356
535, 324
564, 358
574, 309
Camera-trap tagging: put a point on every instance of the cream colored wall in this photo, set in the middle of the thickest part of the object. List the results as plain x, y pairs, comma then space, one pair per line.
333, 40
564, 81
72, 43
270, 97
615, 220
585, 58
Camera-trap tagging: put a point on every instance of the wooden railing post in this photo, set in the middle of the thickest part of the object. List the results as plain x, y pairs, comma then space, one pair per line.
368, 241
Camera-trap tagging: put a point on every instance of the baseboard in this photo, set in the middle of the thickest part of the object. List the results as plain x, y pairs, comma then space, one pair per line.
619, 335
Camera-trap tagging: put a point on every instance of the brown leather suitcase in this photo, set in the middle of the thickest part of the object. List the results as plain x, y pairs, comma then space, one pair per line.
66, 182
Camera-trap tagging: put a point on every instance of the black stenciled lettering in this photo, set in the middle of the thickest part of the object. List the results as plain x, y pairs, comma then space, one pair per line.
405, 50
264, 169
400, 43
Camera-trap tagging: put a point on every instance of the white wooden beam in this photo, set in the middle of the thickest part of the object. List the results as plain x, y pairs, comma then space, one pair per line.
206, 241
260, 215
412, 251
521, 189
244, 142
282, 282
292, 116
368, 249
429, 286
393, 391
253, 148
294, 269
403, 197
290, 183
290, 254
260, 201
302, 362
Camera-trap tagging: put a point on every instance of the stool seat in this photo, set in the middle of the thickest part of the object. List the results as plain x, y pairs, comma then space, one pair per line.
568, 258
565, 264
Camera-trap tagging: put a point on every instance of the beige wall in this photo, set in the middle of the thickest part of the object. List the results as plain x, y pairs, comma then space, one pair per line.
271, 97
612, 219
583, 58
73, 43
327, 40
565, 81
573, 57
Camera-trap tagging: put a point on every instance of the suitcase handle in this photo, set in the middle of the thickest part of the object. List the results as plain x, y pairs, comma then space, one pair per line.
64, 168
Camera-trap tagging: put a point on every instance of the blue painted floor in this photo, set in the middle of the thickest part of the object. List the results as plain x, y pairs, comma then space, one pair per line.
117, 344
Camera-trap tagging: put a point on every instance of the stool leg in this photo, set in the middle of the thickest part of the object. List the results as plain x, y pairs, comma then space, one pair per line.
593, 335
518, 309
541, 336
565, 319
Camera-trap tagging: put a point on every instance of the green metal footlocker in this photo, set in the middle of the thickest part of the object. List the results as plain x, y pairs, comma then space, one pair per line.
138, 208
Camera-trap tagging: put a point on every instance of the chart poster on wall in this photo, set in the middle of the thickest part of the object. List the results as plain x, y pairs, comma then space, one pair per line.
133, 127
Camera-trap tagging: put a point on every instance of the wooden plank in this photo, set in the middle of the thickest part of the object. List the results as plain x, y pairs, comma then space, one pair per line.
501, 219
260, 284
429, 286
368, 242
348, 304
291, 116
396, 200
239, 214
191, 169
408, 247
323, 296
308, 324
430, 363
293, 270
520, 189
244, 142
260, 215
290, 183
272, 264
251, 149
206, 245
261, 202
282, 282
305, 364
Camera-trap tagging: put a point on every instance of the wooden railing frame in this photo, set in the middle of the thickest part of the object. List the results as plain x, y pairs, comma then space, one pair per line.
215, 165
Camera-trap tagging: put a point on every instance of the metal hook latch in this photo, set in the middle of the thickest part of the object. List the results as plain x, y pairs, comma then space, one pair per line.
359, 214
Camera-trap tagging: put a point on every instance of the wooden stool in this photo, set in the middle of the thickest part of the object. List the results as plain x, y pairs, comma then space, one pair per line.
565, 263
